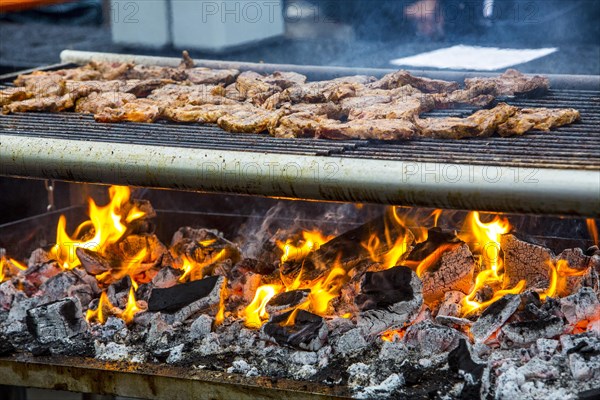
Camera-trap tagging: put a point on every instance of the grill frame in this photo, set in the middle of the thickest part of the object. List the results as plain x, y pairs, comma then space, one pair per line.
75, 148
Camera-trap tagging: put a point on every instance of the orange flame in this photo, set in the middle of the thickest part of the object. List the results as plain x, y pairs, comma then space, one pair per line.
390, 254
484, 239
559, 274
131, 309
5, 266
311, 241
99, 314
193, 270
106, 223
593, 230
255, 313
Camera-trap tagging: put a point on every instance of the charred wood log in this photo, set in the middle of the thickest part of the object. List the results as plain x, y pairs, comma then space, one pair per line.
525, 261
494, 317
453, 272
55, 321
179, 302
388, 299
526, 332
287, 301
348, 247
308, 332
93, 262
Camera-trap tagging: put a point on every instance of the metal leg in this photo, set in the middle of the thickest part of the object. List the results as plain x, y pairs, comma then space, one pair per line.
13, 393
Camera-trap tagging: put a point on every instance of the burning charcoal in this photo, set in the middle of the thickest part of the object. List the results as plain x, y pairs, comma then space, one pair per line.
201, 327
388, 299
453, 271
38, 256
118, 292
166, 277
436, 237
40, 273
203, 249
591, 279
450, 308
494, 317
308, 332
583, 305
525, 261
55, 321
346, 244
182, 301
159, 333
255, 266
65, 284
593, 251
350, 342
7, 294
527, 332
287, 301
92, 262
429, 338
460, 361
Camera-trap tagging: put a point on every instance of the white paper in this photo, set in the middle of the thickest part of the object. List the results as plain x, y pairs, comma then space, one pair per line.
473, 58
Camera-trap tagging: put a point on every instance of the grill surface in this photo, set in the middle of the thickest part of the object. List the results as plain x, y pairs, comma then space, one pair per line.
569, 147
554, 172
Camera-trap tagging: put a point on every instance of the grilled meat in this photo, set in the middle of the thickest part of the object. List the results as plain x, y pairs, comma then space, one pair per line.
247, 119
542, 119
181, 95
401, 78
406, 108
96, 102
479, 94
37, 104
207, 113
513, 82
9, 95
481, 123
208, 76
84, 73
138, 110
137, 87
383, 129
300, 124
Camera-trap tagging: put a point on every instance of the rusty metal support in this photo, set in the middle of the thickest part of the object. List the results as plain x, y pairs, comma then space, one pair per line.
150, 381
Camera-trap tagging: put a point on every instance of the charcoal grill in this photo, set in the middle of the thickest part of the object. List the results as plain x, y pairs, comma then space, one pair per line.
545, 173
541, 172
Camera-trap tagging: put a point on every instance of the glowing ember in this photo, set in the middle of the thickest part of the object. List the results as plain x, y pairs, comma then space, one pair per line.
194, 270
393, 335
434, 258
106, 224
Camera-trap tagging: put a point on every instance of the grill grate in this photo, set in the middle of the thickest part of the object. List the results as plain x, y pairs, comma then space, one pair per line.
570, 147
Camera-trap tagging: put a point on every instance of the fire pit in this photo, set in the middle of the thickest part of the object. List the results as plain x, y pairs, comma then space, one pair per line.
301, 299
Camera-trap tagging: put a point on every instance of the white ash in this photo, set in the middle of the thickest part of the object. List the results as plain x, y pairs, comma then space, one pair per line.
580, 306
112, 352
57, 320
359, 376
431, 339
175, 354
384, 389
201, 327
393, 351
305, 372
546, 348
523, 333
304, 357
350, 342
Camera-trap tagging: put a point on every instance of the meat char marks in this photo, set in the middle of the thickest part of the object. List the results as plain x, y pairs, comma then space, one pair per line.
285, 104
